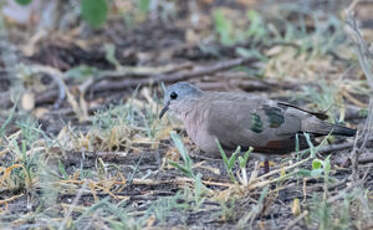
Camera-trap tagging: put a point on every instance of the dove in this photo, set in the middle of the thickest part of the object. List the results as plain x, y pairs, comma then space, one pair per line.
240, 119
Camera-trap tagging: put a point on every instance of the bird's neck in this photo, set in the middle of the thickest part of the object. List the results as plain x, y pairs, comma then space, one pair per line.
187, 106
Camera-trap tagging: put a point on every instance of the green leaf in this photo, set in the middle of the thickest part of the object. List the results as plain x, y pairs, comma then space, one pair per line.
180, 146
224, 28
326, 164
232, 159
186, 171
61, 168
81, 72
243, 160
316, 172
263, 194
244, 52
253, 53
23, 2
228, 163
24, 150
297, 148
310, 144
188, 163
257, 26
316, 164
110, 54
8, 120
94, 11
304, 172
143, 5
221, 150
363, 112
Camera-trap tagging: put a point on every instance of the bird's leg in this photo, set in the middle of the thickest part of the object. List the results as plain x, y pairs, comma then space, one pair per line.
266, 166
264, 162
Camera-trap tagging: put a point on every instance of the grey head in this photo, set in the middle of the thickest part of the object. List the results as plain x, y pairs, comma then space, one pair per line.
177, 93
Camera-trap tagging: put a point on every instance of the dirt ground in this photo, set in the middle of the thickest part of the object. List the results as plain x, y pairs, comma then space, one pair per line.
82, 146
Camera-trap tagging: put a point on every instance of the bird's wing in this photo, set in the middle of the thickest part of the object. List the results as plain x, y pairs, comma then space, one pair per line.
321, 116
259, 123
246, 120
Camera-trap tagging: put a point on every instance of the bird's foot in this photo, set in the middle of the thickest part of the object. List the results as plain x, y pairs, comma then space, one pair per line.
266, 165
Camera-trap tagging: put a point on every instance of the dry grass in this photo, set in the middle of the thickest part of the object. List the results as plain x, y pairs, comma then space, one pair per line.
107, 163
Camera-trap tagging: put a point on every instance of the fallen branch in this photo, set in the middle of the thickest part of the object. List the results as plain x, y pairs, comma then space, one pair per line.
366, 160
338, 147
171, 78
107, 83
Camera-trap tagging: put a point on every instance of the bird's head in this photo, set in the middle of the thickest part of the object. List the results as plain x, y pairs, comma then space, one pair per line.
177, 95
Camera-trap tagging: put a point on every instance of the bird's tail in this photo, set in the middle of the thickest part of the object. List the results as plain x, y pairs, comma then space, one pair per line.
344, 131
319, 127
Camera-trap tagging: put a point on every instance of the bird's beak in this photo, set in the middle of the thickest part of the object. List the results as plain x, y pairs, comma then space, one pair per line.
164, 110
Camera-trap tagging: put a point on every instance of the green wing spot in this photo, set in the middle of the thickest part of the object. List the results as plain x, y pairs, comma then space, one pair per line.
256, 123
275, 116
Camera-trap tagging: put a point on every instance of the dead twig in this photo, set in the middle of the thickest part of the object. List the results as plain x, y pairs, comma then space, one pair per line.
362, 50
338, 147
13, 198
296, 220
349, 188
253, 184
178, 181
128, 72
57, 77
318, 187
171, 78
366, 160
73, 204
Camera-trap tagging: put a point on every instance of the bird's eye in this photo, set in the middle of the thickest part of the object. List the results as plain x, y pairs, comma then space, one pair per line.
173, 95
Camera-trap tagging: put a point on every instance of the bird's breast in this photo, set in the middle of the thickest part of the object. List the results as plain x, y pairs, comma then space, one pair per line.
192, 125
196, 129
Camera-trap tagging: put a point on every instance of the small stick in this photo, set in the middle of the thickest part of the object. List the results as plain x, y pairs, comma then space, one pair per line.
279, 170
57, 77
73, 204
337, 147
296, 220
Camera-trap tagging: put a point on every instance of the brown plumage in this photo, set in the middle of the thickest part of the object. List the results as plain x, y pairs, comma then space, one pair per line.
241, 119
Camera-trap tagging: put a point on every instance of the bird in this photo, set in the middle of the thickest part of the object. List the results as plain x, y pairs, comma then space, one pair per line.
240, 119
